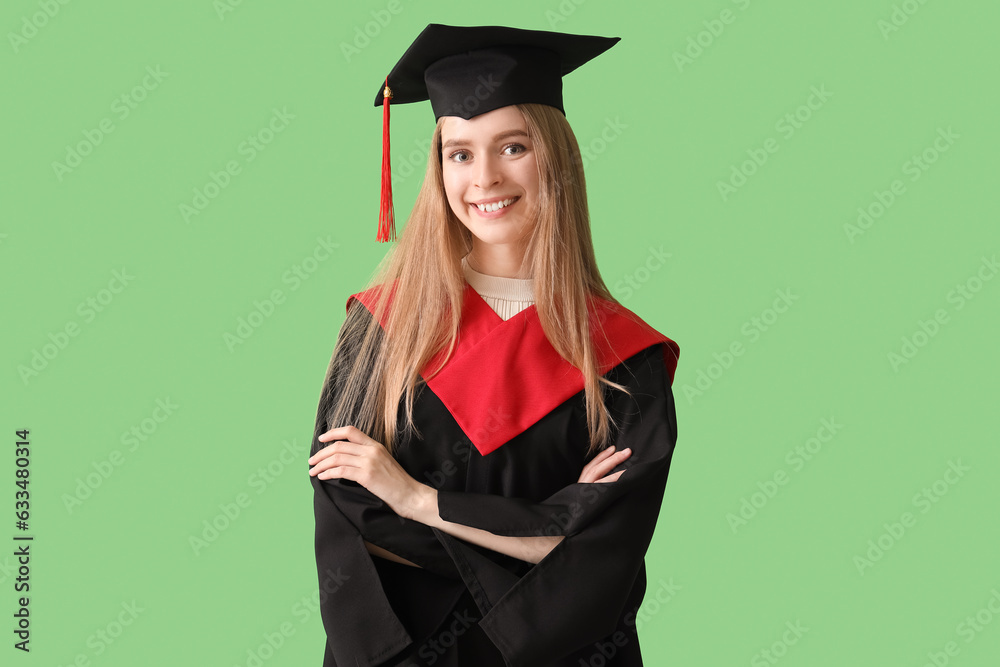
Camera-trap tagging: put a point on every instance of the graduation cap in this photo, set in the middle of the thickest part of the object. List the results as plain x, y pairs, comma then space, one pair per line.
469, 70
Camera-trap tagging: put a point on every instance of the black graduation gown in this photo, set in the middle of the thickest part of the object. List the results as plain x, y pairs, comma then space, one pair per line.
504, 439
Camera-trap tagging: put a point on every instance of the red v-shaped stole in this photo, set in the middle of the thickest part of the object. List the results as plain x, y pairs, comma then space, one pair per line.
505, 375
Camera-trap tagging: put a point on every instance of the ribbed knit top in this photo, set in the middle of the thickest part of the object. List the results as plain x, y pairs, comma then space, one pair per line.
506, 296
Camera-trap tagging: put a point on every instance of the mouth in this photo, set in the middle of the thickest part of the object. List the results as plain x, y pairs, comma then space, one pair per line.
493, 205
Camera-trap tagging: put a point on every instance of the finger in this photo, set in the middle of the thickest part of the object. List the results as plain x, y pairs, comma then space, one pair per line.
611, 452
610, 478
598, 458
340, 446
339, 472
612, 462
603, 454
339, 459
348, 432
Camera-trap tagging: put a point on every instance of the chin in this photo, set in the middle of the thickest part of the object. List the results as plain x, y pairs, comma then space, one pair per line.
495, 234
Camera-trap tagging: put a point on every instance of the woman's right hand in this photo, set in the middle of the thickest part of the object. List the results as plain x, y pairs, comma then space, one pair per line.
604, 463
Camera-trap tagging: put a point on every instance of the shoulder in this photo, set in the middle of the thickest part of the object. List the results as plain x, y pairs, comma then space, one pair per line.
619, 335
369, 297
366, 302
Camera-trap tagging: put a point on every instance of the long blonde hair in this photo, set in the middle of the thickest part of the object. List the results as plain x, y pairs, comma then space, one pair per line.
379, 367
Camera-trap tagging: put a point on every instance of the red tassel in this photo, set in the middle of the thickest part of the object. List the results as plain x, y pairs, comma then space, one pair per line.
386, 220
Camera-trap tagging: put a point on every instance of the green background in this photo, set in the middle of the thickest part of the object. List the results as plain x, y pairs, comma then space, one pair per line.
662, 133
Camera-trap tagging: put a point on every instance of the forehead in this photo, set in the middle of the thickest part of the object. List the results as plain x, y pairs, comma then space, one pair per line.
484, 125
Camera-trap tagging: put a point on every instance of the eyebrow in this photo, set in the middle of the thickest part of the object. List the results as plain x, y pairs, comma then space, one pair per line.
498, 137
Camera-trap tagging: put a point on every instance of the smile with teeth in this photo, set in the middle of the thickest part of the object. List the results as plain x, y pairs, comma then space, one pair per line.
496, 206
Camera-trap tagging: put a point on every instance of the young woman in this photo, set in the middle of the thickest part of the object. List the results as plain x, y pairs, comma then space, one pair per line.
494, 432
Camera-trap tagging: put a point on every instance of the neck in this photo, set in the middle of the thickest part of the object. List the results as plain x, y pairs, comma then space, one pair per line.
502, 261
505, 295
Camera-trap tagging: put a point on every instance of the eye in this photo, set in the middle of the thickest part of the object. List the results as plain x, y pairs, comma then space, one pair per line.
519, 147
454, 156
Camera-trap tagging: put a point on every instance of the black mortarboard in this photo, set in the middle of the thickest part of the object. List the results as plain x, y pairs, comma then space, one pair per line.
469, 70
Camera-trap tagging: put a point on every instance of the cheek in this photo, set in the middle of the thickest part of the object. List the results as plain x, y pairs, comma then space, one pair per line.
452, 185
528, 177
454, 191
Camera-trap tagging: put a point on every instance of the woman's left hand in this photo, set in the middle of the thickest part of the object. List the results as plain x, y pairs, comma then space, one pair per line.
597, 470
355, 456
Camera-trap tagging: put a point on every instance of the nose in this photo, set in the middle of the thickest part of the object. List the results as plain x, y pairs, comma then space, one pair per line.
489, 172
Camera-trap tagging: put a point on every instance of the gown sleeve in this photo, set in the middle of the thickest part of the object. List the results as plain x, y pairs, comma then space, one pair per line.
576, 594
362, 626
352, 600
374, 520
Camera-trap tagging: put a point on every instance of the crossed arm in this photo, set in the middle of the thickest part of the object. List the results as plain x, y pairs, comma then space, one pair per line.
531, 549
358, 457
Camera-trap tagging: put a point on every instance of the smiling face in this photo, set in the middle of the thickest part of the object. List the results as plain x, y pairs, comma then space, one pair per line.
490, 175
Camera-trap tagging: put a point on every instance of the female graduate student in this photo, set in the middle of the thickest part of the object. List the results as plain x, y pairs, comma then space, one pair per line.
494, 430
